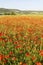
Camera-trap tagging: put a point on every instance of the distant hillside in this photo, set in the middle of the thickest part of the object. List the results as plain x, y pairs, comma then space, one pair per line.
16, 11
8, 11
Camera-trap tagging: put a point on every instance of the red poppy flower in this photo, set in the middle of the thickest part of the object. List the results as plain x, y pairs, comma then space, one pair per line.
33, 58
1, 57
10, 52
0, 34
15, 42
13, 58
41, 52
4, 61
24, 64
38, 63
6, 56
27, 54
20, 63
20, 51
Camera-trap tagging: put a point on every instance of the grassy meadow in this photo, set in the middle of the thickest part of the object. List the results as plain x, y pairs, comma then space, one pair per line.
21, 40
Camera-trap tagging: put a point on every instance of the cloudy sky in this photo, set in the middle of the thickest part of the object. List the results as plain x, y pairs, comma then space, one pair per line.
22, 4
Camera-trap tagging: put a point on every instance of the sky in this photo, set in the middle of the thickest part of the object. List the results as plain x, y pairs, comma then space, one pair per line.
22, 4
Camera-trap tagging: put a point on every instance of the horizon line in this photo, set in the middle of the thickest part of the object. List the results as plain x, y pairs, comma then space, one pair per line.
22, 9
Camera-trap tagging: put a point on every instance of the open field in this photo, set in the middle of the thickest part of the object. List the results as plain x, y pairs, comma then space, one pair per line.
21, 40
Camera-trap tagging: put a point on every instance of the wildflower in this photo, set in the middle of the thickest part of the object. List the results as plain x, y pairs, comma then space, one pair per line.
24, 64
10, 40
2, 45
1, 57
10, 52
6, 56
1, 39
0, 34
20, 63
15, 42
27, 54
41, 52
13, 58
20, 51
25, 37
38, 63
18, 46
41, 36
4, 61
36, 37
33, 58
29, 30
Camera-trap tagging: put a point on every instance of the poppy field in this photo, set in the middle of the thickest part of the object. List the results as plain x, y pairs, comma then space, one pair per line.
21, 40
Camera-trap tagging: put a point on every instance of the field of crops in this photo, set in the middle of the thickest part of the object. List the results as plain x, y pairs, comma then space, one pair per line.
21, 40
